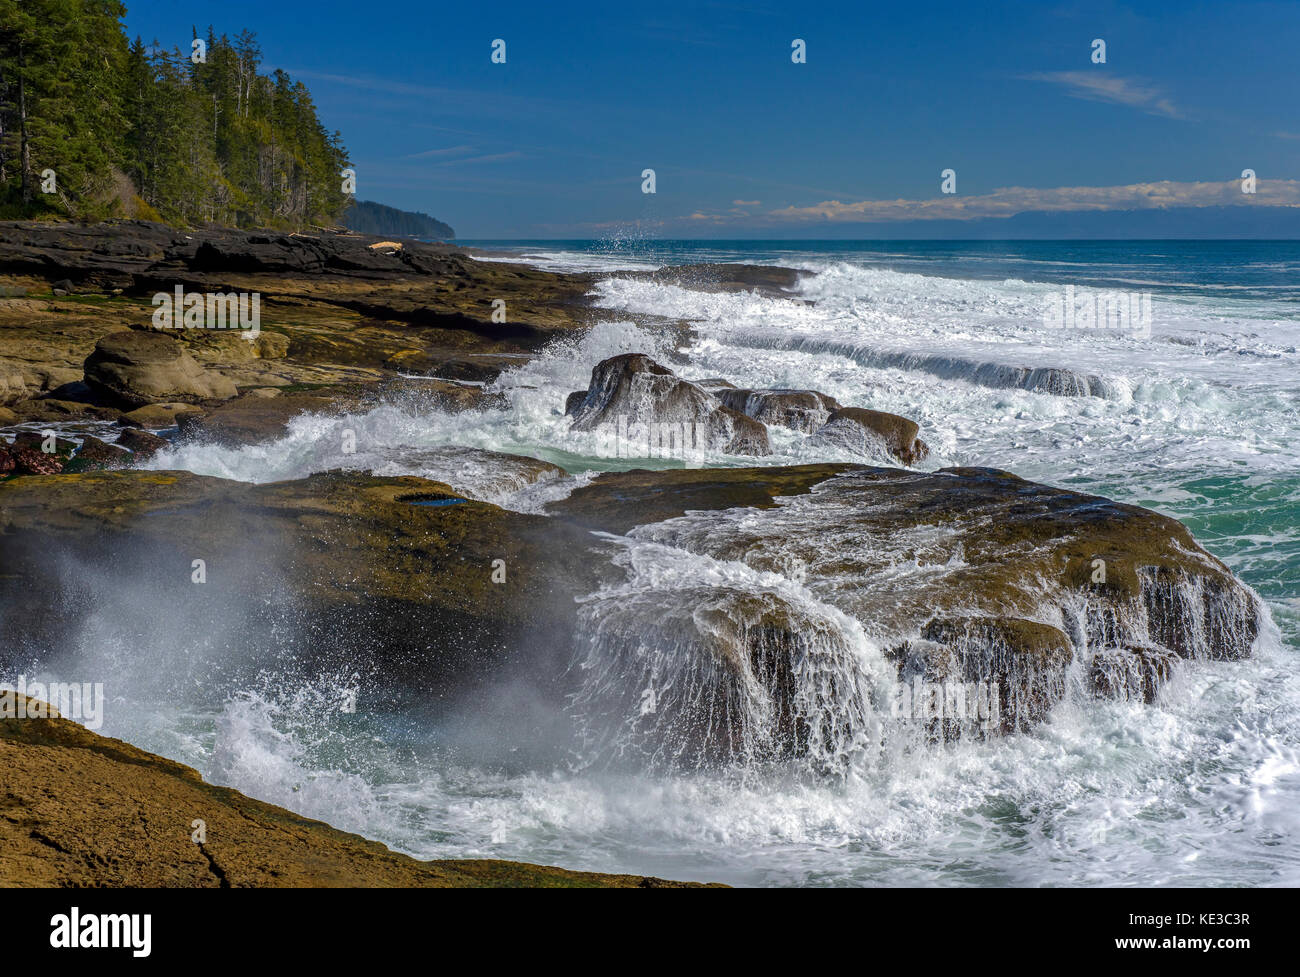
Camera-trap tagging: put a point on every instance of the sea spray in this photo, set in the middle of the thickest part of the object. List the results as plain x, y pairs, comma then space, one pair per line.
694, 662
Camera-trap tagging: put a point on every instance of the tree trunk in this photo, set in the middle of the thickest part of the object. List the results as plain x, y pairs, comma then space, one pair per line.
25, 154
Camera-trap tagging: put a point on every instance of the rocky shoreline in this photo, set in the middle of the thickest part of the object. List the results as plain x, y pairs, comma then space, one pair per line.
440, 598
83, 810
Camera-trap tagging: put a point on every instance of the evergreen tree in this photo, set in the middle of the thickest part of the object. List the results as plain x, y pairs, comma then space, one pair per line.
137, 128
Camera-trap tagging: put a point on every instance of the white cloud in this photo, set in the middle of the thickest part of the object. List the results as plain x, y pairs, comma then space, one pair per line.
1009, 201
449, 151
1100, 86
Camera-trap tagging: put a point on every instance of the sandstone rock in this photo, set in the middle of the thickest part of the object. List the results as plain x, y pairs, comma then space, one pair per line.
7, 417
992, 588
998, 595
801, 410
137, 367
100, 812
636, 389
141, 443
253, 418
405, 591
868, 431
14, 384
1025, 662
53, 409
156, 416
270, 346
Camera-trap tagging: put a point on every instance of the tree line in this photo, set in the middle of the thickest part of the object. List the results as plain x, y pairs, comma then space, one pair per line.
368, 217
93, 125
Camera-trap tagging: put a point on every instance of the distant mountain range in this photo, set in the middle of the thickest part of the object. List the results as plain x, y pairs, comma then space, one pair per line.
368, 217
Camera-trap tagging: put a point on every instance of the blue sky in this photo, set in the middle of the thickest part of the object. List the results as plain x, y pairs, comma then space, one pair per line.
746, 143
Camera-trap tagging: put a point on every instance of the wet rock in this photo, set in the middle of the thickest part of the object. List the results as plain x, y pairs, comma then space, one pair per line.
867, 432
41, 441
616, 502
1024, 663
1136, 672
118, 825
427, 393
141, 443
252, 418
714, 384
28, 461
490, 476
137, 367
634, 389
96, 454
434, 604
801, 410
767, 610
970, 577
771, 280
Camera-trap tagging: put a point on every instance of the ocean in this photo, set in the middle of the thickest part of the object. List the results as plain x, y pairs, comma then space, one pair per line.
1190, 406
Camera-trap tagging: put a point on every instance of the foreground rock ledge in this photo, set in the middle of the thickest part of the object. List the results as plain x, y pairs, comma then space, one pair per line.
963, 576
79, 809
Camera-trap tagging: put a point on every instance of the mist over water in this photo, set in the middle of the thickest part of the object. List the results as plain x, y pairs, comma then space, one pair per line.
1200, 421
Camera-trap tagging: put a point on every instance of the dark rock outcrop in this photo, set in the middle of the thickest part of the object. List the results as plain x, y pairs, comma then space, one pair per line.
968, 580
141, 443
388, 586
94, 453
801, 410
1134, 671
634, 389
868, 432
999, 585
